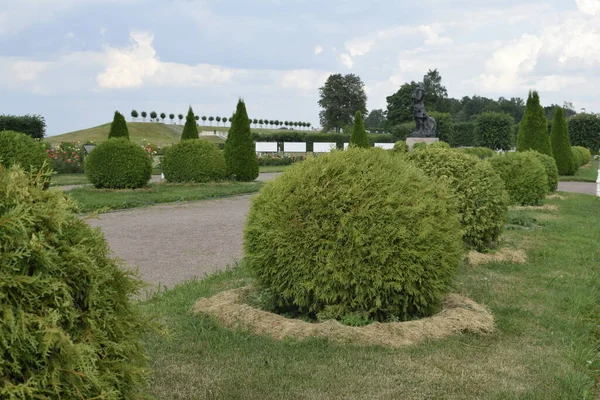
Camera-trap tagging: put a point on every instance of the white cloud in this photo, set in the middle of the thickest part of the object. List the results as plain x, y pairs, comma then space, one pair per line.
591, 7
359, 46
318, 50
556, 83
303, 79
347, 60
26, 71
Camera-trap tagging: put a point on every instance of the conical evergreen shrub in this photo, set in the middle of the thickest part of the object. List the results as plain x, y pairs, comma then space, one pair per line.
118, 128
359, 134
533, 129
190, 130
239, 152
561, 144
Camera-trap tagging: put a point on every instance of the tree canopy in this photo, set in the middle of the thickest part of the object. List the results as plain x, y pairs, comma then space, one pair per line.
340, 98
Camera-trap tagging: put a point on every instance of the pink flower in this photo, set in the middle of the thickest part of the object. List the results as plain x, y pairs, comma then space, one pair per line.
68, 160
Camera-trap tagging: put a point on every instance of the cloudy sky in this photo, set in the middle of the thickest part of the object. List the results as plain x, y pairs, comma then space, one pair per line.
76, 61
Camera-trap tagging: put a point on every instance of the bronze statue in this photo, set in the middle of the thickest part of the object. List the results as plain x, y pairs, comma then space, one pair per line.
425, 124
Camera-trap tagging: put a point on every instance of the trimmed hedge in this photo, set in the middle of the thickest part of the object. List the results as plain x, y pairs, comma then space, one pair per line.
30, 125
439, 145
19, 148
481, 152
444, 126
584, 130
550, 167
400, 147
118, 164
524, 177
69, 329
194, 161
463, 135
494, 130
581, 155
482, 199
353, 232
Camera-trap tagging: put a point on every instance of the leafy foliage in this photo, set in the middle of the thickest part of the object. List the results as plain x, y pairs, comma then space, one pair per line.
376, 119
359, 134
190, 130
463, 134
482, 200
400, 147
494, 130
581, 155
524, 177
118, 128
193, 161
340, 98
68, 329
399, 106
561, 144
533, 129
19, 148
445, 126
550, 168
240, 156
67, 158
584, 130
356, 231
31, 125
118, 164
440, 144
481, 152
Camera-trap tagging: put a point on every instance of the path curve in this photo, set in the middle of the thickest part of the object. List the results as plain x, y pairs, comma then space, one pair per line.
577, 187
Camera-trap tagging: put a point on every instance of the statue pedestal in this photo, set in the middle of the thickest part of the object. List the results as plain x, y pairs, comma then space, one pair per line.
410, 142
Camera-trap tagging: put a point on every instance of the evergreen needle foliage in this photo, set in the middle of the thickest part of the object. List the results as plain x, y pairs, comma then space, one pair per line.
118, 128
524, 177
19, 148
550, 167
193, 161
240, 155
533, 129
68, 329
190, 130
359, 134
561, 144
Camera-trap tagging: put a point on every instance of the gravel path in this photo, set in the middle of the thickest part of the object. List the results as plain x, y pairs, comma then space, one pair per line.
577, 187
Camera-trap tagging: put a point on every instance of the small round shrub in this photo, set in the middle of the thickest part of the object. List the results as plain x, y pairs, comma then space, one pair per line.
440, 145
194, 161
68, 329
21, 149
582, 155
524, 177
356, 232
400, 147
549, 164
118, 164
482, 199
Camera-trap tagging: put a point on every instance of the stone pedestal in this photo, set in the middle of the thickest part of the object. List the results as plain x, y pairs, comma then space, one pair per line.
410, 142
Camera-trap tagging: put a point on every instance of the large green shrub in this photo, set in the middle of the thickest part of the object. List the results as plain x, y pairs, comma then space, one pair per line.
400, 147
550, 167
31, 125
581, 156
68, 328
240, 156
444, 126
118, 128
18, 148
584, 130
524, 177
356, 231
118, 164
533, 129
358, 137
463, 134
194, 161
190, 130
494, 130
482, 199
561, 144
481, 152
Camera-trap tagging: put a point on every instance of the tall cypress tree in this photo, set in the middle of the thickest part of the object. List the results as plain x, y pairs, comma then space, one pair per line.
190, 130
239, 152
561, 144
118, 128
359, 134
533, 129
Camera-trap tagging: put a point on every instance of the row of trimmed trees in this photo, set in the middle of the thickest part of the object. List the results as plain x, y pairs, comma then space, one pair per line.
155, 117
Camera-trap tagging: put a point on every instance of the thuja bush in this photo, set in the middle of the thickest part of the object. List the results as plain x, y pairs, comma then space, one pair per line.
352, 232
400, 147
240, 156
438, 145
581, 155
524, 177
561, 144
482, 199
549, 164
194, 161
118, 164
494, 130
68, 329
481, 152
118, 127
21, 149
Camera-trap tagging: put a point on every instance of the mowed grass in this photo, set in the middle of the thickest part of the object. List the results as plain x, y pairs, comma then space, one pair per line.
91, 199
587, 173
545, 346
68, 179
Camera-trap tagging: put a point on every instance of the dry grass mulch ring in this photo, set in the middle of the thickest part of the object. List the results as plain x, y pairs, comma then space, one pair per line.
460, 314
502, 255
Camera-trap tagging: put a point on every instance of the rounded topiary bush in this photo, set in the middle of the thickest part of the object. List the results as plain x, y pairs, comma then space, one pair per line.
582, 155
194, 161
524, 177
481, 152
68, 329
400, 147
355, 232
549, 164
21, 149
482, 199
118, 164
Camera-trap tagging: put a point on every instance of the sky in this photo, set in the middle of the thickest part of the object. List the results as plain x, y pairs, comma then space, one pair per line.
77, 61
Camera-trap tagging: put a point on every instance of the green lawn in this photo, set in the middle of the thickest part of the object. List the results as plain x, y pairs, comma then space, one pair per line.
68, 179
273, 168
91, 199
587, 173
545, 346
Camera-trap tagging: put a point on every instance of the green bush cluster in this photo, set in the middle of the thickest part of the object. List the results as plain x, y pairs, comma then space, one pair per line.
439, 145
524, 177
494, 130
444, 126
67, 158
194, 161
463, 135
68, 329
482, 200
360, 231
400, 147
19, 148
118, 164
30, 125
277, 160
550, 167
418, 146
240, 157
584, 130
581, 156
561, 144
481, 152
